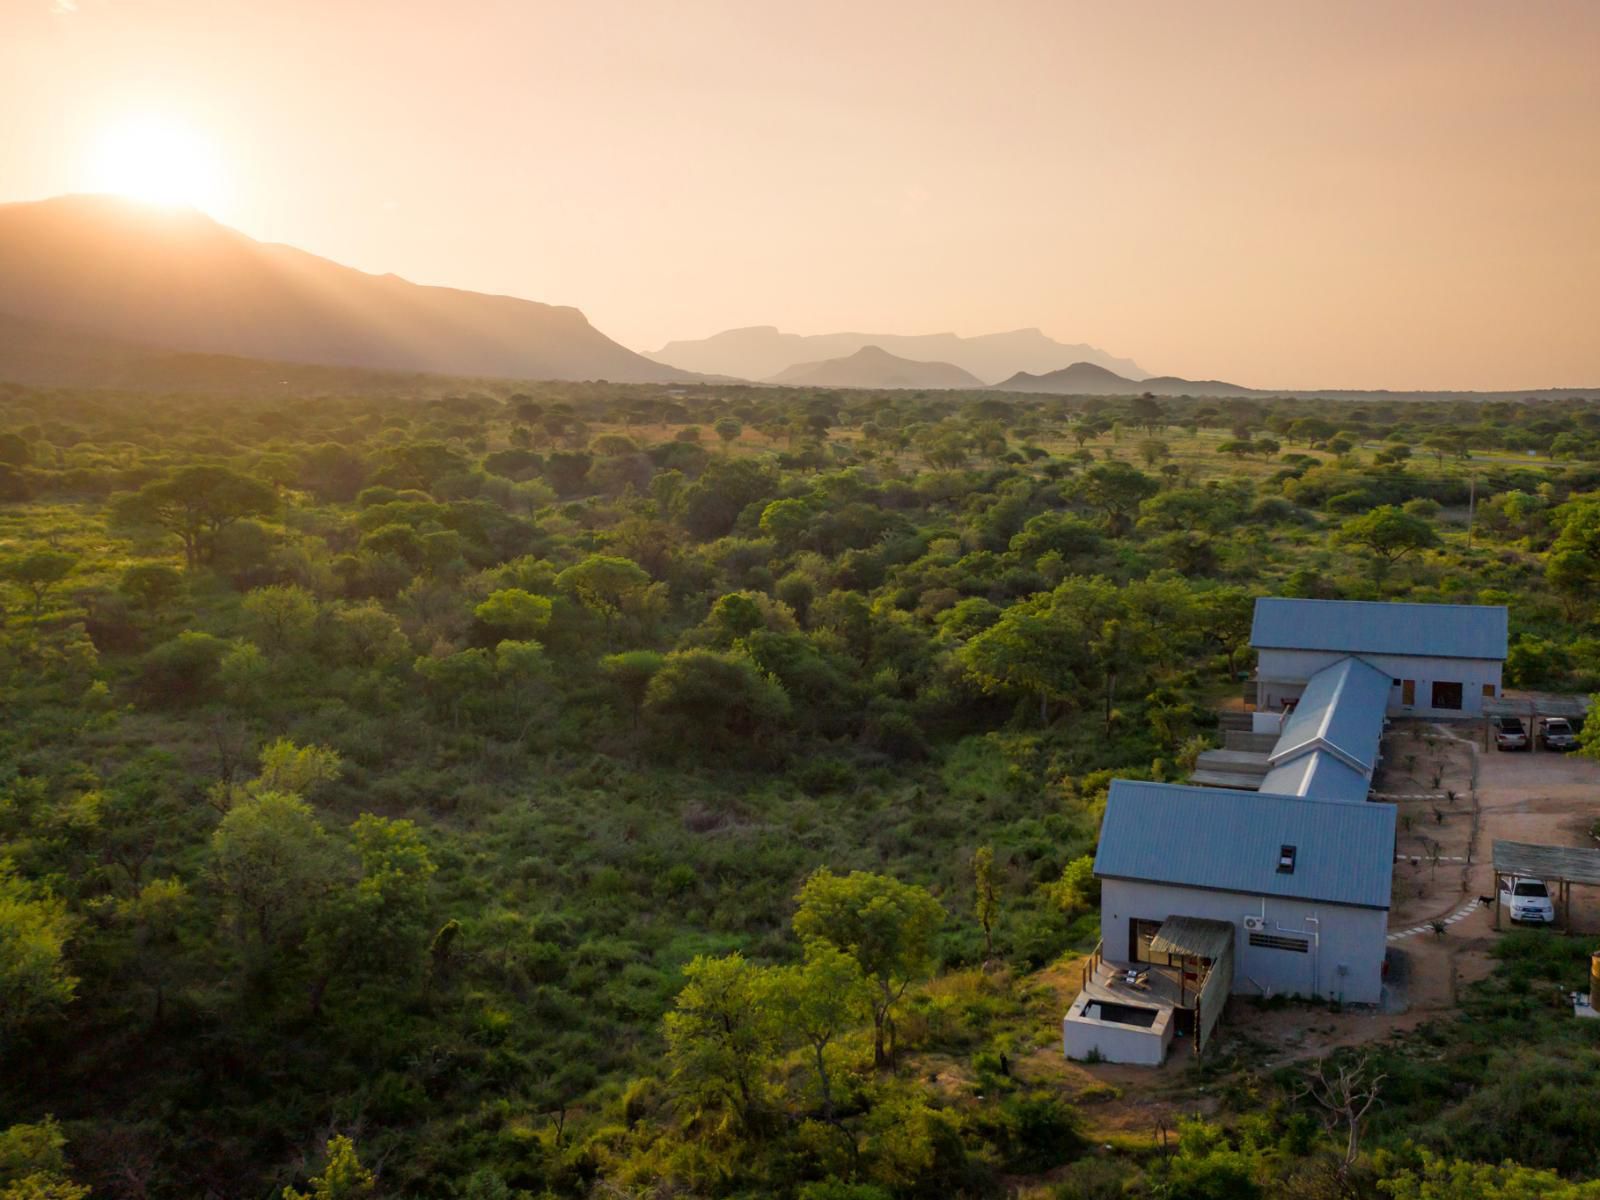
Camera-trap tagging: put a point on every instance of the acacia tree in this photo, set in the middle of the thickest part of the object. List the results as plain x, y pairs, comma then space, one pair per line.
196, 503
38, 572
1388, 533
885, 925
604, 584
631, 672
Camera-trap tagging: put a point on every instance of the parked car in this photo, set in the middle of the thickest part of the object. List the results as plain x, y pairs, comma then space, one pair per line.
1555, 733
1528, 900
1509, 733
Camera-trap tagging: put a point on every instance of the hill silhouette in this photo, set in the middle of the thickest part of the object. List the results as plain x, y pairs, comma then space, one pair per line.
1089, 379
874, 367
762, 351
176, 279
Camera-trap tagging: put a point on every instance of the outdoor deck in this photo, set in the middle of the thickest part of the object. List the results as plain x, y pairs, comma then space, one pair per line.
1160, 989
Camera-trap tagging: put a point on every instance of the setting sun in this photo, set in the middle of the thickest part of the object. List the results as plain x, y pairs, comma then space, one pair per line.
151, 159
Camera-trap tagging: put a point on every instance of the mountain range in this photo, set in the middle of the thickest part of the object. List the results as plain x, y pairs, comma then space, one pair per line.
763, 352
875, 367
110, 268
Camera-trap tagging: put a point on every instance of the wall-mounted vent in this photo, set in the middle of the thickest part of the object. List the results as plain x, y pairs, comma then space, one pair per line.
1285, 860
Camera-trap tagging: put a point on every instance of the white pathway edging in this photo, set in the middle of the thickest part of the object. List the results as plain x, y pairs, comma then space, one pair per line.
1461, 914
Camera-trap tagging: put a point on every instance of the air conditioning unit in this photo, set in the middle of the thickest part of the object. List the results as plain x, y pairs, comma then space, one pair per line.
1254, 923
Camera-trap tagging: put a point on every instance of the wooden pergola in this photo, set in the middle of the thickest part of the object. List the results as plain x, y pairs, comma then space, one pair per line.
1202, 950
1560, 866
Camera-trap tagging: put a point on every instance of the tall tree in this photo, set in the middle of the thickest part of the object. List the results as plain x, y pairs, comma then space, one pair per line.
885, 925
721, 1037
196, 503
818, 1001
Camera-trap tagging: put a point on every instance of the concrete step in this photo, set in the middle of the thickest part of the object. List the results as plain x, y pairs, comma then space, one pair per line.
1234, 719
1234, 762
1253, 743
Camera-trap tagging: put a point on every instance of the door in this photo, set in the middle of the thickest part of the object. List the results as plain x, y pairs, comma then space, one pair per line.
1408, 692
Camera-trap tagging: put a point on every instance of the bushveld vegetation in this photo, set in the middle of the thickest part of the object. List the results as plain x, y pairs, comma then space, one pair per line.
604, 790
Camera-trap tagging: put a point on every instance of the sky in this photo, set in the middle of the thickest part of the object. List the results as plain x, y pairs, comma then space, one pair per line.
1369, 193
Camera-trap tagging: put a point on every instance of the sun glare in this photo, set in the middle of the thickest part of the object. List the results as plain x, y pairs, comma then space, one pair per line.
158, 161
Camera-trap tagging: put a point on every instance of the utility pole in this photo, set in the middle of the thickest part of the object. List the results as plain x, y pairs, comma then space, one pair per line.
1472, 505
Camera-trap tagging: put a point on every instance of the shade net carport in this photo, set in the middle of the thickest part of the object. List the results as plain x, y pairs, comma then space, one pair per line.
1562, 866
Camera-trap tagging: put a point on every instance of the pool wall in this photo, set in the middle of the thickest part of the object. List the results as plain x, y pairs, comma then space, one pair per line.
1083, 1035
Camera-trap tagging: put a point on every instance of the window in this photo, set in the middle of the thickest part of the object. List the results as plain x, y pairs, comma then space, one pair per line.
1488, 691
1447, 696
1285, 860
1277, 941
1408, 692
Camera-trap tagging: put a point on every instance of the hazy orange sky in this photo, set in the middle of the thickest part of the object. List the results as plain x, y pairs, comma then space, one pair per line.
1400, 193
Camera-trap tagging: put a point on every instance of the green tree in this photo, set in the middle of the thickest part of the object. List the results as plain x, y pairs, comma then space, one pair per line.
378, 925
1573, 567
344, 1178
196, 503
885, 925
281, 617
34, 928
817, 1001
273, 864
151, 585
1114, 490
722, 1035
514, 613
728, 430
604, 584
38, 572
1034, 650
1423, 1175
714, 703
33, 1164
1388, 533
1153, 451
631, 673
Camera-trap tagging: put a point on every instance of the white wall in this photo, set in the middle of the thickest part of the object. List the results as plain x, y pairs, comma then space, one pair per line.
1340, 935
1115, 1043
1300, 665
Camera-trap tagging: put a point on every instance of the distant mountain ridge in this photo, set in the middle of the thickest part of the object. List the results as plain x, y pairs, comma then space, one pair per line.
875, 367
177, 279
1089, 379
763, 351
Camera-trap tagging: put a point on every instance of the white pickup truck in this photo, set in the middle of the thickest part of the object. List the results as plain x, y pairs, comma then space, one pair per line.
1528, 900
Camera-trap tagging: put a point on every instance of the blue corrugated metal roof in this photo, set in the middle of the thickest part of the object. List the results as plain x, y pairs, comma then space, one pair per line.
1371, 627
1229, 841
1340, 710
1319, 775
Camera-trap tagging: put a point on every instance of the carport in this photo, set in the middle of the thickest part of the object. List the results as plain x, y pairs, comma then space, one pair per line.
1558, 866
1530, 708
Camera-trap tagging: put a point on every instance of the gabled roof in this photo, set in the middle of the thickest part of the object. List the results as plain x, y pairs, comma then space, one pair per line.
1372, 627
1341, 712
1320, 775
1226, 840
